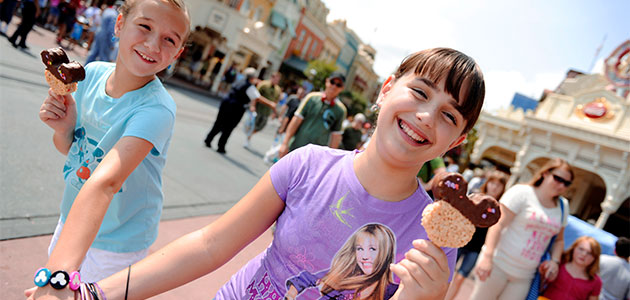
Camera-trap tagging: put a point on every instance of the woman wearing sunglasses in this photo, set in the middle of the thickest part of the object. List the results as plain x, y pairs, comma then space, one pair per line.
531, 214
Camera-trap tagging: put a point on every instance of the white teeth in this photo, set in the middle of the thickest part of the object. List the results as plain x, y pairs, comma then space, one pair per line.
411, 133
146, 57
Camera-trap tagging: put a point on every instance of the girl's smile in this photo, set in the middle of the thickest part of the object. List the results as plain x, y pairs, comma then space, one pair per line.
151, 36
425, 118
415, 136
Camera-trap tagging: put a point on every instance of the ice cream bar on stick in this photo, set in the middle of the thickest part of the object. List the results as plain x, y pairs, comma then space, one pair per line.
61, 74
450, 221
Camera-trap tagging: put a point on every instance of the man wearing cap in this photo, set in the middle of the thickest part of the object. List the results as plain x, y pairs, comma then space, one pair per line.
233, 107
318, 118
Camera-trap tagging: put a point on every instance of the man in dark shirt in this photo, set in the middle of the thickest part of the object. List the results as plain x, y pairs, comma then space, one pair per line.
351, 138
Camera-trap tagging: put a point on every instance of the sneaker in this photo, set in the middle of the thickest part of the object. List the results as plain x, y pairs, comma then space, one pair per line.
221, 151
207, 144
246, 144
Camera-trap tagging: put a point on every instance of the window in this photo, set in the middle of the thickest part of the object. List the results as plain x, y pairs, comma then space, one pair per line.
305, 48
313, 48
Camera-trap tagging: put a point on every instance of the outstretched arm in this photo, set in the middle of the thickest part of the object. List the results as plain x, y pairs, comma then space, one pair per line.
202, 251
90, 205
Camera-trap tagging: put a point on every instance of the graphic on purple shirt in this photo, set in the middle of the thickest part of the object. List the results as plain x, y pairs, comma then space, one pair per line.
325, 207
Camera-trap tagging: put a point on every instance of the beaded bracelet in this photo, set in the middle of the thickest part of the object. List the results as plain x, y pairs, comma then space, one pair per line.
58, 280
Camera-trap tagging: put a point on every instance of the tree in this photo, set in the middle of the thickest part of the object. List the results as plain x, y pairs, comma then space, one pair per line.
317, 71
354, 102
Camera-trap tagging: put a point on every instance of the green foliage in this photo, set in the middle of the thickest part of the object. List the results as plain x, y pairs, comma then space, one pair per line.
467, 148
354, 102
317, 71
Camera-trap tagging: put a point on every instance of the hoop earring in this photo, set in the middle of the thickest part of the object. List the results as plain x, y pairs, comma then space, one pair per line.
114, 39
169, 67
374, 108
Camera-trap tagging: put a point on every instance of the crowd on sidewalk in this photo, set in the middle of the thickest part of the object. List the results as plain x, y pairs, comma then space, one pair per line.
344, 195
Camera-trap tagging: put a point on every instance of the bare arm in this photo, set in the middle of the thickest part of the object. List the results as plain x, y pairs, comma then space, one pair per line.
552, 266
484, 264
90, 205
266, 102
283, 124
201, 251
295, 123
335, 138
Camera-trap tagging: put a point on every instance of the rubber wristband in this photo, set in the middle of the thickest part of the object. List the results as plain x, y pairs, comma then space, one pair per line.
42, 276
100, 290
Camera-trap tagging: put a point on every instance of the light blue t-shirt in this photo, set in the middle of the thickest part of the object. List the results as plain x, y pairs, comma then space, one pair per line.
131, 221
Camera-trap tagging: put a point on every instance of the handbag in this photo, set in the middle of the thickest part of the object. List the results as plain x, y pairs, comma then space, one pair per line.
535, 287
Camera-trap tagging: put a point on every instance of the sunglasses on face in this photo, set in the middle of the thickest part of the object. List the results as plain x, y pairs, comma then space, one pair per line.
559, 179
339, 84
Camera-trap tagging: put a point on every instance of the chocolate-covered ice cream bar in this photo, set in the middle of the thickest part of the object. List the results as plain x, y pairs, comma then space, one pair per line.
58, 64
482, 210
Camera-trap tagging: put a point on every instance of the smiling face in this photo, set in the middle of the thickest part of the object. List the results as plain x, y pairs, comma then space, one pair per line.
366, 250
151, 37
418, 120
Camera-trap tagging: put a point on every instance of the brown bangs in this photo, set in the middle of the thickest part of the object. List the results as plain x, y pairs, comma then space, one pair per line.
463, 78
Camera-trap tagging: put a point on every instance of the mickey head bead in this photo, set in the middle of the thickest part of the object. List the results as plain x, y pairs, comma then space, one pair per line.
59, 279
42, 276
75, 280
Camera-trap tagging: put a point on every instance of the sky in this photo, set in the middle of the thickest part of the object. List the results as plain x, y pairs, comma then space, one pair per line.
521, 46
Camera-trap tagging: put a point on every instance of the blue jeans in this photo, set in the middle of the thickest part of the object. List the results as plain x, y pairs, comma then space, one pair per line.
469, 258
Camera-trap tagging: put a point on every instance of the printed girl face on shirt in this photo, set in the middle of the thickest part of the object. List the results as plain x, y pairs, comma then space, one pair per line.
583, 254
366, 250
151, 36
418, 120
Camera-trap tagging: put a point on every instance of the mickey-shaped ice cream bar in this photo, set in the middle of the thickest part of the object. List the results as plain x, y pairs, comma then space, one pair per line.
61, 74
451, 220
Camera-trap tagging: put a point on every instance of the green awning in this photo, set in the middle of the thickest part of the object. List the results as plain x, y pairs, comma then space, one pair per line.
278, 20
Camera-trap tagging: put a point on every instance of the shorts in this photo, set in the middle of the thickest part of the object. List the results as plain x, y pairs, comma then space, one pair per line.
99, 264
261, 121
469, 258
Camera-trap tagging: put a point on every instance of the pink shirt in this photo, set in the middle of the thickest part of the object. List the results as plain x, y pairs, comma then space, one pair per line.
566, 287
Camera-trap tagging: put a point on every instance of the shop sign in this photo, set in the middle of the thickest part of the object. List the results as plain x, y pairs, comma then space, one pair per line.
217, 20
598, 110
618, 66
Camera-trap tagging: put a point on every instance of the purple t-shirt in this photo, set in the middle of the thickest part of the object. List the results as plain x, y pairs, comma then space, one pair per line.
325, 207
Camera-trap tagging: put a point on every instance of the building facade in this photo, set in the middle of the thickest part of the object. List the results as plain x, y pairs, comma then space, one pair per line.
583, 122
